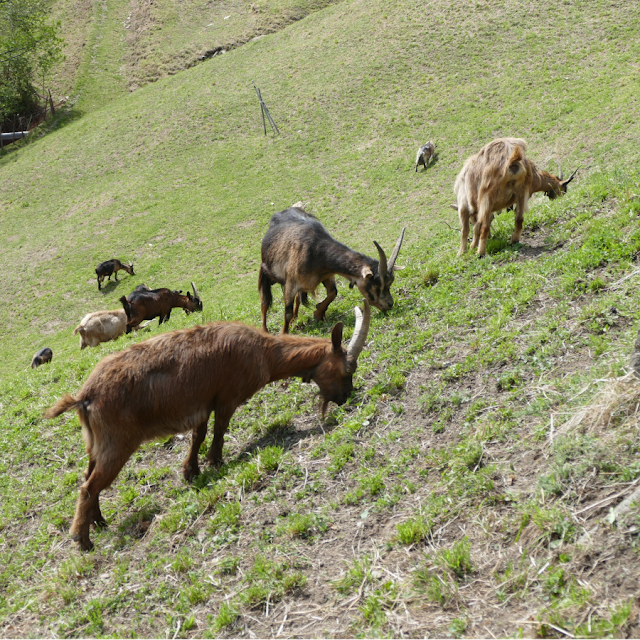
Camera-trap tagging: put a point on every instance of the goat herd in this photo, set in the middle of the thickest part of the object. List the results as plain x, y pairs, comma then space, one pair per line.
171, 383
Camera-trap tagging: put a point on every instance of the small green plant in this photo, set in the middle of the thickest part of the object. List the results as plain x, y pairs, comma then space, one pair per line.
227, 616
228, 566
298, 525
457, 559
182, 562
340, 456
555, 582
270, 458
509, 381
359, 573
413, 530
431, 277
373, 484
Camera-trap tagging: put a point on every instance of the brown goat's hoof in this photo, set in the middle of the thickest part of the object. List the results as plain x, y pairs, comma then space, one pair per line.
85, 544
189, 473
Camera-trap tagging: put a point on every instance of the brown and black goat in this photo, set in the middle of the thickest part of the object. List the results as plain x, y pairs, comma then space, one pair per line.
111, 267
425, 153
497, 177
145, 304
173, 382
299, 254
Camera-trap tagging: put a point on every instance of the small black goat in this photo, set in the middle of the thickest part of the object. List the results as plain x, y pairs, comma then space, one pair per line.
145, 304
299, 254
42, 357
111, 267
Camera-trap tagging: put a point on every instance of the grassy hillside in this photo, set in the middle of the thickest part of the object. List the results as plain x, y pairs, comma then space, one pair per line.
115, 47
454, 494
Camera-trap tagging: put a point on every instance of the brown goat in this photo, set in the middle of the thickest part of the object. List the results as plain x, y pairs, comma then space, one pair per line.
497, 177
173, 382
299, 254
145, 304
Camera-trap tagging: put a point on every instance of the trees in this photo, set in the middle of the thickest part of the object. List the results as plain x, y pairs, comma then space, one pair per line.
29, 47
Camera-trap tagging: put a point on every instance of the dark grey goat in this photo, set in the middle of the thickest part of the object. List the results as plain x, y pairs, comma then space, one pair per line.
299, 254
110, 267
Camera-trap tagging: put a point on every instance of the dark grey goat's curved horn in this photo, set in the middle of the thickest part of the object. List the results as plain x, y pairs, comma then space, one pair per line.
195, 291
396, 250
382, 269
360, 333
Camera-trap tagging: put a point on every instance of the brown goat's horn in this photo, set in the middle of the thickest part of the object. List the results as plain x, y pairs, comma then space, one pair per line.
559, 172
359, 337
382, 269
396, 250
195, 291
573, 175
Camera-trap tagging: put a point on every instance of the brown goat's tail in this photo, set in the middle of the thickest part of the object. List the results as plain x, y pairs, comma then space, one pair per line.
127, 307
65, 403
264, 287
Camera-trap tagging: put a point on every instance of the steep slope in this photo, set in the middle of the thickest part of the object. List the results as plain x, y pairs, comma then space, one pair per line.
113, 47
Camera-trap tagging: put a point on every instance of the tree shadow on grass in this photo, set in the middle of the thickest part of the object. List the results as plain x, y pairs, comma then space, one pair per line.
63, 117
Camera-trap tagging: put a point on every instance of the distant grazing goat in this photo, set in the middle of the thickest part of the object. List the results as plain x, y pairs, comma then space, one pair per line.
497, 177
110, 267
43, 356
145, 304
299, 254
101, 326
425, 153
173, 382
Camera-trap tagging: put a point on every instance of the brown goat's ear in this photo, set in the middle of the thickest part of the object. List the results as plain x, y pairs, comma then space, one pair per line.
336, 337
366, 272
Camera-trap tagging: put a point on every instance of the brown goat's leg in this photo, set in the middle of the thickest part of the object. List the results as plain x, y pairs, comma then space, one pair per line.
296, 306
87, 507
190, 468
332, 292
220, 425
463, 214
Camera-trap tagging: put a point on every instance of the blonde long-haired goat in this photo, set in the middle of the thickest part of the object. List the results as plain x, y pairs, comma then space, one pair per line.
499, 176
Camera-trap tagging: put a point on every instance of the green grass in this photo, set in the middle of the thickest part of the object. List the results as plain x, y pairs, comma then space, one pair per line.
446, 482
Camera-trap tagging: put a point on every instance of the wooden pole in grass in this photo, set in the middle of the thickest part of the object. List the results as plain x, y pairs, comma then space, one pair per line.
265, 112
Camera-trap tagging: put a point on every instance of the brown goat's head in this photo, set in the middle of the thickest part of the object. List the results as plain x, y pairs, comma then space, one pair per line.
195, 303
561, 189
129, 269
334, 375
376, 287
